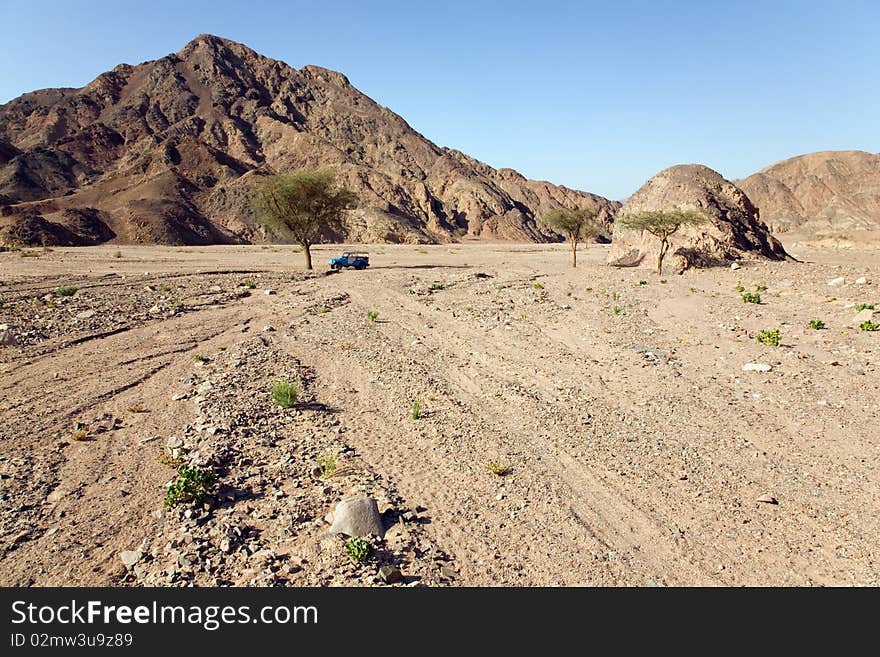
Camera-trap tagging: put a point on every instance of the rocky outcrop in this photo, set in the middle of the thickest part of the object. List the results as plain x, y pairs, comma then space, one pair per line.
167, 152
734, 230
829, 191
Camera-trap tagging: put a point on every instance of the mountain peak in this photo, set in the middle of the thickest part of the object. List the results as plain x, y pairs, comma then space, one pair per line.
168, 151
215, 45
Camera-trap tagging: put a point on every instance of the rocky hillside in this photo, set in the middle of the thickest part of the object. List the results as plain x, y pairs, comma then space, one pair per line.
829, 190
167, 151
734, 232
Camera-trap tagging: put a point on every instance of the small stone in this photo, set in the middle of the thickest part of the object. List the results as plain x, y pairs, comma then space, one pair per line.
130, 557
174, 442
767, 499
155, 310
863, 316
861, 280
85, 314
178, 397
448, 572
269, 292
756, 367
390, 574
837, 282
734, 266
215, 288
7, 339
268, 329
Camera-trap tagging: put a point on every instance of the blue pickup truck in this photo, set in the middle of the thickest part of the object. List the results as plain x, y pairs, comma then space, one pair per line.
356, 260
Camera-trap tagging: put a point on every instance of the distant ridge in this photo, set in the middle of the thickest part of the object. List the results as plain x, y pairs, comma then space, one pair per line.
166, 152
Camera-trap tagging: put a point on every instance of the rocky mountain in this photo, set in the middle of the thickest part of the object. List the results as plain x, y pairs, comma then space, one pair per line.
167, 151
818, 192
734, 231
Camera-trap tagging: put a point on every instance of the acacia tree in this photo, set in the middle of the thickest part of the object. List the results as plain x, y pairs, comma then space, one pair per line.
574, 224
662, 224
303, 205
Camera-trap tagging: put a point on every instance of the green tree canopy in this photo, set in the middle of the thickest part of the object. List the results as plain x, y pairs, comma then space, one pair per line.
304, 205
575, 224
662, 224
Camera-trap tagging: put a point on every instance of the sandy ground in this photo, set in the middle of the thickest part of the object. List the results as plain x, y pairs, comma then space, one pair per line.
637, 448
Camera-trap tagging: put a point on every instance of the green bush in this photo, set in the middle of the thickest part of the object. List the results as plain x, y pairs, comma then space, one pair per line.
416, 409
817, 324
372, 315
498, 469
327, 464
193, 484
868, 325
769, 337
285, 393
437, 286
359, 549
864, 306
751, 297
67, 291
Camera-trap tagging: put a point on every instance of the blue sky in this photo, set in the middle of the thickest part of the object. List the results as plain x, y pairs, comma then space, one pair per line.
594, 95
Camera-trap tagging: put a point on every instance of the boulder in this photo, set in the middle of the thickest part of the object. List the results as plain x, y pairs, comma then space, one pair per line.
357, 516
734, 231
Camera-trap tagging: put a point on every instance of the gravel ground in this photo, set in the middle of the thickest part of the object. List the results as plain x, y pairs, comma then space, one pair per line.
639, 432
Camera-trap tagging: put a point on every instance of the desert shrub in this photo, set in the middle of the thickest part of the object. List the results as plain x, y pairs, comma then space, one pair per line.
498, 469
760, 288
769, 337
617, 310
200, 359
751, 297
285, 393
416, 409
80, 435
740, 288
67, 291
164, 458
437, 286
538, 286
137, 408
193, 484
359, 549
327, 462
868, 325
372, 315
817, 324
864, 306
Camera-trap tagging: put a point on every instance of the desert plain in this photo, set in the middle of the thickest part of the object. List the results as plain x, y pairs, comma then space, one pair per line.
588, 426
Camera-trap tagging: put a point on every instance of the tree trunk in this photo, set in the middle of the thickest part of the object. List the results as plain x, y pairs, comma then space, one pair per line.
307, 248
664, 245
574, 253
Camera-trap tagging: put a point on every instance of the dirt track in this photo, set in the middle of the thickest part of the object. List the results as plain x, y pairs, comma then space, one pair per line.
637, 446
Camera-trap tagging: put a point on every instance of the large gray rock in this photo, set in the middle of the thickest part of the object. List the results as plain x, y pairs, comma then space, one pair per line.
357, 516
